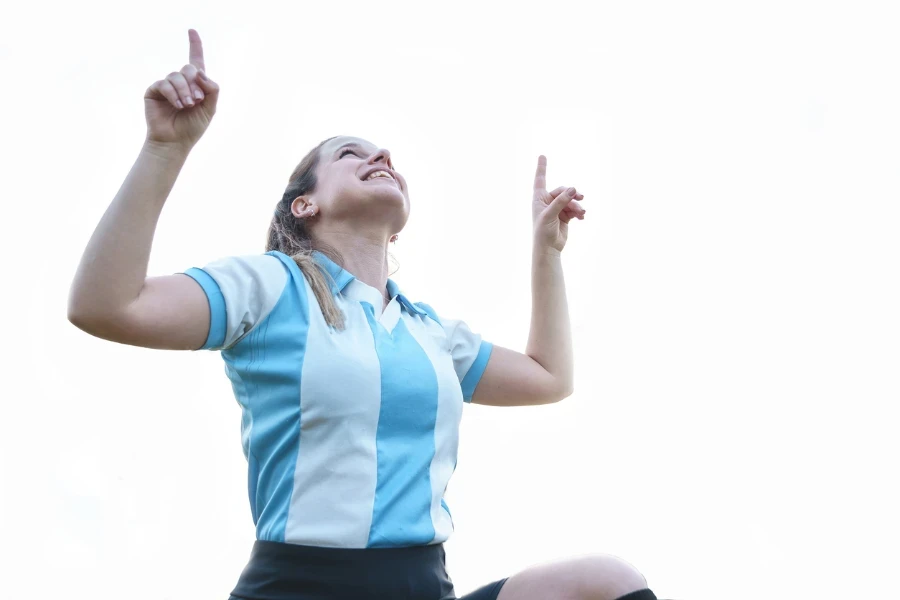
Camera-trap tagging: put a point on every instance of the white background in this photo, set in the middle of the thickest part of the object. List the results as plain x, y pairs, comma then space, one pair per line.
734, 289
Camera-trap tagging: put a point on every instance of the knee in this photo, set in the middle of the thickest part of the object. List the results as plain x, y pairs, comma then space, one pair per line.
607, 577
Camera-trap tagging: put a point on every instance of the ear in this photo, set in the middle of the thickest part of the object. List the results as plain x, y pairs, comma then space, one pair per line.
303, 207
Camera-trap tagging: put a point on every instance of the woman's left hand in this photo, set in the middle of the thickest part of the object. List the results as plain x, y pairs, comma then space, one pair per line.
552, 211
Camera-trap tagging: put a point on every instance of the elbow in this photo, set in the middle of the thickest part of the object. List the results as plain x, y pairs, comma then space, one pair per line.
90, 320
552, 391
79, 313
98, 326
75, 312
564, 392
76, 306
82, 319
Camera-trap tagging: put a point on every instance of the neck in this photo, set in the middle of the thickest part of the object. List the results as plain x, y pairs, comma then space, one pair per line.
364, 257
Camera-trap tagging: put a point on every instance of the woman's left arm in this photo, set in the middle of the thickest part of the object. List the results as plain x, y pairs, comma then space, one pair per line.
544, 374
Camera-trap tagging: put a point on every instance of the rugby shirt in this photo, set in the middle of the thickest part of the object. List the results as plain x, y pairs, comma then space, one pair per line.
350, 436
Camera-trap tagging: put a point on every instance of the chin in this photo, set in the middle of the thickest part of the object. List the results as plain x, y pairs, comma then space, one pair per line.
387, 197
386, 207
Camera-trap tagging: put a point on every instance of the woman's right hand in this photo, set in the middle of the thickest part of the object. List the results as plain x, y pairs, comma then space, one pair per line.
180, 107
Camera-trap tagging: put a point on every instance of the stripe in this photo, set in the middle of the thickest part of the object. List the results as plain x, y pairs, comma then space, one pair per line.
446, 428
405, 438
473, 375
218, 320
421, 307
447, 508
335, 475
265, 368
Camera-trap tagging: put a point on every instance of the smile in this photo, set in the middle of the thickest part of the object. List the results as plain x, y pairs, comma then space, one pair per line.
377, 177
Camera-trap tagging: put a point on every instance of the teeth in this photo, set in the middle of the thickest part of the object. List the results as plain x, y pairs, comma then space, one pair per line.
378, 174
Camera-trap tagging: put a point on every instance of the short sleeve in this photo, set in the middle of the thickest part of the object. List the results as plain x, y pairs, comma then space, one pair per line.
469, 351
241, 291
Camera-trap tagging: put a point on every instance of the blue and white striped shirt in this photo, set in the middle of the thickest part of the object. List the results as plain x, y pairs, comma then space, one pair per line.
350, 436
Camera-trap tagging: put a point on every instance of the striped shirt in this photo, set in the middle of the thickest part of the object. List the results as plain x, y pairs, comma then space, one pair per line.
350, 436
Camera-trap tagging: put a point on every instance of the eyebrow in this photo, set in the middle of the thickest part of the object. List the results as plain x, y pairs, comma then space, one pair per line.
348, 145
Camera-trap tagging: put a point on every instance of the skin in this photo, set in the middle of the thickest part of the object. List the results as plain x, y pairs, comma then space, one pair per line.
113, 298
597, 577
356, 217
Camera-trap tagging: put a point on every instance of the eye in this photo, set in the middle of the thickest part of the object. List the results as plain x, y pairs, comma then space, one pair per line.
345, 152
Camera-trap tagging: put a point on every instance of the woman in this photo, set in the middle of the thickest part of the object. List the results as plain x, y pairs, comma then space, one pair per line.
351, 393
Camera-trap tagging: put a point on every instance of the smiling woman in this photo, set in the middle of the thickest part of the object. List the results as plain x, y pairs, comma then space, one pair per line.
351, 393
305, 198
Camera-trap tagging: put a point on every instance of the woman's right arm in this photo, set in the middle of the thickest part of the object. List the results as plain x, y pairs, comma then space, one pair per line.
111, 296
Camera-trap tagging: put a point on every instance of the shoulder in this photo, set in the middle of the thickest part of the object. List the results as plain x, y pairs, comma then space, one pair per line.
242, 292
263, 274
267, 266
451, 327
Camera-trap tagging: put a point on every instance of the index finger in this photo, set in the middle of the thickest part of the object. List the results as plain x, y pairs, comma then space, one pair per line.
196, 53
540, 176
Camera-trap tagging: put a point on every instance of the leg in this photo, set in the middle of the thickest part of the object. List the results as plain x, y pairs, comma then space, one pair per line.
597, 577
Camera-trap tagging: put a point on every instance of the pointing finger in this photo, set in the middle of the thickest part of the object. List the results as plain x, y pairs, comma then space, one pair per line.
540, 176
196, 52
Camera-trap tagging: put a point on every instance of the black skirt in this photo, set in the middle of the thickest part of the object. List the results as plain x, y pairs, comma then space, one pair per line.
278, 571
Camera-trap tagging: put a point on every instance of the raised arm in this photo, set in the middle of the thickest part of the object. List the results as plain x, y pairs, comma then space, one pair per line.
111, 296
544, 373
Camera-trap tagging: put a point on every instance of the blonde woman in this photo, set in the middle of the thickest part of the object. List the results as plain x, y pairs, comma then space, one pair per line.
351, 393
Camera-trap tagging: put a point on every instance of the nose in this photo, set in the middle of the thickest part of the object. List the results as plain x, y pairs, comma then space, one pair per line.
383, 155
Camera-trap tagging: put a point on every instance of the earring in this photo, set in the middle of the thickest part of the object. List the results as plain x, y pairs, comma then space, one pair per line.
394, 238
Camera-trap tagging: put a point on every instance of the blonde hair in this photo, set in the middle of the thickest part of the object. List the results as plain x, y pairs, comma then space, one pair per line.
291, 236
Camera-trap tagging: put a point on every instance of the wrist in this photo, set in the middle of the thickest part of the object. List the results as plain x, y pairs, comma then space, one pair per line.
166, 151
540, 251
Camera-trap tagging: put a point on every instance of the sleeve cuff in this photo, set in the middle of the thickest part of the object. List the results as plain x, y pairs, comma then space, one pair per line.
473, 376
217, 317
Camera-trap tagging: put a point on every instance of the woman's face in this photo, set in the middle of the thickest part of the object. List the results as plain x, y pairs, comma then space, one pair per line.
357, 185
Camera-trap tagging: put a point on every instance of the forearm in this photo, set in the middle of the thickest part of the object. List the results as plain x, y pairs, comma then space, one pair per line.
113, 266
550, 337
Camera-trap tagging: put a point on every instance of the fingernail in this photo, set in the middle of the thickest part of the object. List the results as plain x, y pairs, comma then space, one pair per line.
198, 95
201, 75
179, 104
571, 191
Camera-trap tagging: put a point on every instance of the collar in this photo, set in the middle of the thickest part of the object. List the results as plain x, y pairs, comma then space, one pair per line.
341, 278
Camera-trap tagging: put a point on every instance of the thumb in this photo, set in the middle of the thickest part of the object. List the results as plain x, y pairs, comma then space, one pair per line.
210, 90
560, 202
206, 84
